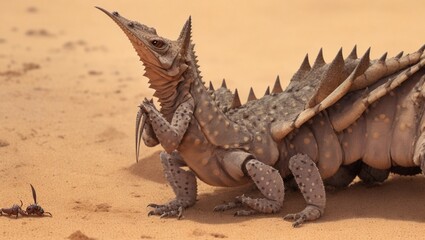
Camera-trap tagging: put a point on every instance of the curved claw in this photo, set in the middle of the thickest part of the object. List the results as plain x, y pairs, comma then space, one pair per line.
151, 213
140, 125
241, 213
180, 213
153, 205
298, 219
310, 213
219, 208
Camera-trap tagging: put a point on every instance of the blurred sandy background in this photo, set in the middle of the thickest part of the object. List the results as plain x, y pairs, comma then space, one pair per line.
70, 84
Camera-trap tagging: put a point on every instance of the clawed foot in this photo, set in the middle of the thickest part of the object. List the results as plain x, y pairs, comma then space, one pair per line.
229, 205
147, 105
239, 202
308, 214
167, 210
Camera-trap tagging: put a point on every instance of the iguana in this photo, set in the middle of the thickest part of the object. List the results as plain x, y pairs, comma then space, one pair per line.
330, 115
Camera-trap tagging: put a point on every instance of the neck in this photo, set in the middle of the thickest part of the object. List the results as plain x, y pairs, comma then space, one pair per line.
170, 87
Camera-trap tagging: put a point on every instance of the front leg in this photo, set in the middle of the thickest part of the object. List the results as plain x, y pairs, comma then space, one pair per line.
311, 186
170, 134
183, 183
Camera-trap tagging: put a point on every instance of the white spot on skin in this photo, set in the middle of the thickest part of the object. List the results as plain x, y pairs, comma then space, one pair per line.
307, 140
375, 135
205, 161
259, 151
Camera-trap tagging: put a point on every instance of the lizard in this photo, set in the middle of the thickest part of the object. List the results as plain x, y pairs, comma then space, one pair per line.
309, 130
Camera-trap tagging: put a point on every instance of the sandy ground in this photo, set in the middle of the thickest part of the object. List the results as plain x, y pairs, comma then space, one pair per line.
70, 84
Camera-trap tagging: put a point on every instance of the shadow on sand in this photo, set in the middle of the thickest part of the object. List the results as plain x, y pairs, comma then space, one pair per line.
399, 198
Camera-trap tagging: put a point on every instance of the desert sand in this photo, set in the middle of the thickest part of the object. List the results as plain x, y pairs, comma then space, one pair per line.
70, 84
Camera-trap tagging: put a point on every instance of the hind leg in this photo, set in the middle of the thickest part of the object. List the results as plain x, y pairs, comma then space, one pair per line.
343, 177
311, 186
373, 176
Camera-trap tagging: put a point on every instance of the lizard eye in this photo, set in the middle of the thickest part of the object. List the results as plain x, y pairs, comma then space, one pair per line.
158, 43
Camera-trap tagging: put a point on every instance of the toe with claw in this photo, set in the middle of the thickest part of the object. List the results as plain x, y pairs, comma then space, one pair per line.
308, 214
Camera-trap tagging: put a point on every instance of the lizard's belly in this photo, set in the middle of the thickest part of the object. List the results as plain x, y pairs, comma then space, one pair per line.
204, 159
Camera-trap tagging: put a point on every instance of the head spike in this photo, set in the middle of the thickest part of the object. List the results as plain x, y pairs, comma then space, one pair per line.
353, 54
185, 35
236, 101
223, 84
211, 87
277, 88
251, 95
267, 91
383, 58
399, 55
319, 60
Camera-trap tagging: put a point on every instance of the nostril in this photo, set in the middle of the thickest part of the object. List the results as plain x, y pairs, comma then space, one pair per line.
116, 14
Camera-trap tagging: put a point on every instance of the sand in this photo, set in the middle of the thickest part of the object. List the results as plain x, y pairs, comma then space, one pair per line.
70, 84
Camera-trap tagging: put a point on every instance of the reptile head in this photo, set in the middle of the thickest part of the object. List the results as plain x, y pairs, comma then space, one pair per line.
165, 60
153, 50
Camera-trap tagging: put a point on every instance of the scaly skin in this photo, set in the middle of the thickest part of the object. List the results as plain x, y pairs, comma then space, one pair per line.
229, 144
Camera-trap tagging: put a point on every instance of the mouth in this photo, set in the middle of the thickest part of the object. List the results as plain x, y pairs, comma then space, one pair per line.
135, 33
